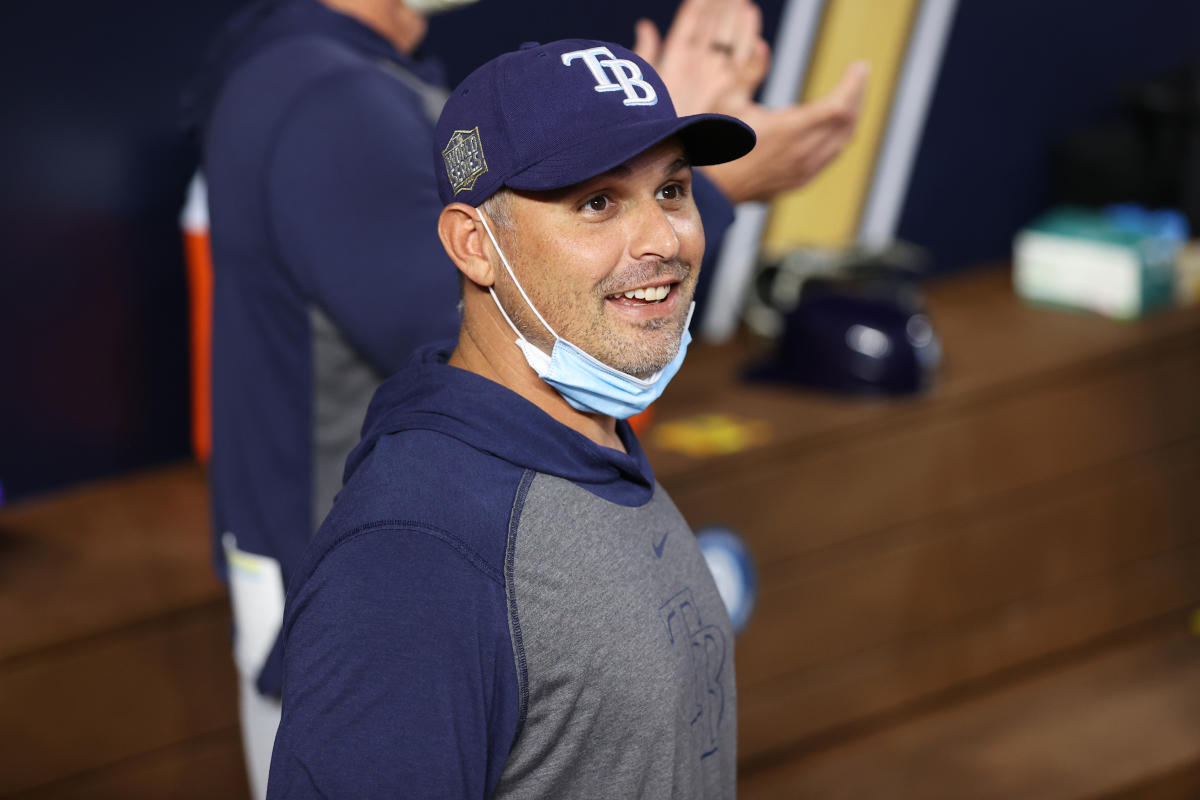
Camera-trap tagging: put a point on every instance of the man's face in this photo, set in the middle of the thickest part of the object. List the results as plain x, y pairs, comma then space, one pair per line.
581, 252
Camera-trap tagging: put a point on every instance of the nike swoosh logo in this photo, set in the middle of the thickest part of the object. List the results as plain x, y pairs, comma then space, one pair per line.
658, 548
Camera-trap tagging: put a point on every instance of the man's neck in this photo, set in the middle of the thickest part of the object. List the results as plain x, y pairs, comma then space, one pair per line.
391, 19
485, 347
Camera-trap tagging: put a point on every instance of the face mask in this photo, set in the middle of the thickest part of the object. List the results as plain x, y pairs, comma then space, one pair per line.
587, 384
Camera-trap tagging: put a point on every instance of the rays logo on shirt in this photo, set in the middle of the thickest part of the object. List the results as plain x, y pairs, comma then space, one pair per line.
703, 646
464, 159
628, 75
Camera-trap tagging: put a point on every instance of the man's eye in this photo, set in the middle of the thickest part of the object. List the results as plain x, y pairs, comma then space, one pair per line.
597, 203
671, 191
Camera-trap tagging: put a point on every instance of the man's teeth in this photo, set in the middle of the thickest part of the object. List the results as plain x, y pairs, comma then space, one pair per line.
652, 294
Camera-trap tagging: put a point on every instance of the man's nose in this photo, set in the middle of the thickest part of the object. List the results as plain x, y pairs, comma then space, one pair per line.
654, 234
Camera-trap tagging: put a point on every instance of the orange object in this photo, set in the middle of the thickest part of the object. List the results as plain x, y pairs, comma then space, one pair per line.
641, 422
198, 257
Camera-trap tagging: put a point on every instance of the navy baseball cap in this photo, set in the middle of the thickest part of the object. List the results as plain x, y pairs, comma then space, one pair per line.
552, 115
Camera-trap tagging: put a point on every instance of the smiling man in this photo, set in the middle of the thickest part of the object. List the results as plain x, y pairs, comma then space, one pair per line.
503, 602
613, 261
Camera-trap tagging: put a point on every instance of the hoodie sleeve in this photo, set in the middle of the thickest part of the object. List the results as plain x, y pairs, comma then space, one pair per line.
353, 208
399, 676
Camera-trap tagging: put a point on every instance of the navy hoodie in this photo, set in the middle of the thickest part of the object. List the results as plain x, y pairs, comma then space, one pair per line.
498, 606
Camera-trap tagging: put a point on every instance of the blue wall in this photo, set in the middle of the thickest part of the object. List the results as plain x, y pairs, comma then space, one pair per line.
1017, 76
92, 304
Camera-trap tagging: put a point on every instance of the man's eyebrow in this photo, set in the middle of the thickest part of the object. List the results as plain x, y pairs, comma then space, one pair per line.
678, 164
624, 170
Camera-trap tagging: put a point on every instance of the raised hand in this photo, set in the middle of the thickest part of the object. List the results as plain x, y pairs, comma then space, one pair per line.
794, 143
713, 58
714, 48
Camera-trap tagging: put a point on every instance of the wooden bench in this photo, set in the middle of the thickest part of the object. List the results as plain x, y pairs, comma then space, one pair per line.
1043, 499
983, 591
116, 678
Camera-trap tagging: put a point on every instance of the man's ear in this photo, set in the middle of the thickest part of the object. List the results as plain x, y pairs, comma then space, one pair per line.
464, 239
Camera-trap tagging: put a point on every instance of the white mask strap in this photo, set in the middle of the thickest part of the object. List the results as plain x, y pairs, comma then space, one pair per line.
504, 313
517, 283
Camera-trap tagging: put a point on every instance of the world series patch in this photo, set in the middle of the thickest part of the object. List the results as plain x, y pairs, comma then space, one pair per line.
464, 160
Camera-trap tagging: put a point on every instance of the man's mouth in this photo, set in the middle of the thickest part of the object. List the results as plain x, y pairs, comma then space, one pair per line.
647, 295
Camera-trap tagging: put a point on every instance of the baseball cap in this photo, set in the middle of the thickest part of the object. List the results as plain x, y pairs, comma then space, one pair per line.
552, 115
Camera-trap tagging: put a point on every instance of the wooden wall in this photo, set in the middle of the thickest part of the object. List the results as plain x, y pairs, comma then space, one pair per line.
1044, 498
936, 574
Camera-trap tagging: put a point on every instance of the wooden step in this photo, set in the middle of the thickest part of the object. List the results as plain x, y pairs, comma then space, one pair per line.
915, 577
94, 558
114, 633
1041, 497
826, 697
114, 697
957, 596
1123, 722
203, 768
796, 501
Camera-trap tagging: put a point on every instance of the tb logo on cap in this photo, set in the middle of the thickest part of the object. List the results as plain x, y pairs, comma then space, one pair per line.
628, 75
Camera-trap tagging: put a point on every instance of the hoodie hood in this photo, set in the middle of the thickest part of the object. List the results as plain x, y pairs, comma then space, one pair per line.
266, 22
429, 394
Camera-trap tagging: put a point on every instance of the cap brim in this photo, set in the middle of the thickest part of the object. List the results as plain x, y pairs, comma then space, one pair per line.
707, 139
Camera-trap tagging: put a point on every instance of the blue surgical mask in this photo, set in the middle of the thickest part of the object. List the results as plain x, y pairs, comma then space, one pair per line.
585, 382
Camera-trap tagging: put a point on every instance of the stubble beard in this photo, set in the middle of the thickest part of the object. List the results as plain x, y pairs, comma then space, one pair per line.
639, 356
620, 348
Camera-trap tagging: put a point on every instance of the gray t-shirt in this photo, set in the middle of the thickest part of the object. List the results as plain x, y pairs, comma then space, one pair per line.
625, 651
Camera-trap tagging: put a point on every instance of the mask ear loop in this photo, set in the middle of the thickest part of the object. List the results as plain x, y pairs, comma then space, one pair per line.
517, 283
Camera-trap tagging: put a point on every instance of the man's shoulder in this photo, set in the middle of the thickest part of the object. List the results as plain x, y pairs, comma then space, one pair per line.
425, 483
280, 73
415, 465
301, 56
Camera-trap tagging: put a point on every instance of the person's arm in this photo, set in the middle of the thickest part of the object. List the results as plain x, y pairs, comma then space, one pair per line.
794, 143
354, 206
713, 59
713, 48
399, 679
